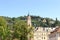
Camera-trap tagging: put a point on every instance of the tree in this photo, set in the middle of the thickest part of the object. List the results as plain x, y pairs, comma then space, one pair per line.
56, 22
4, 32
21, 30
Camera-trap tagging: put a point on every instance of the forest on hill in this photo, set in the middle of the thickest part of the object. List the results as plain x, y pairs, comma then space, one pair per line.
36, 21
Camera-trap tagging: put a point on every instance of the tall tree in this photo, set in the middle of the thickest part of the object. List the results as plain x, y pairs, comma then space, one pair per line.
56, 22
4, 32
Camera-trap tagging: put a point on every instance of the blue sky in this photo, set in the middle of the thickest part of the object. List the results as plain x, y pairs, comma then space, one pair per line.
43, 8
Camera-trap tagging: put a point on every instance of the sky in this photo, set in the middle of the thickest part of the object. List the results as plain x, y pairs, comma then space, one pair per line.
43, 8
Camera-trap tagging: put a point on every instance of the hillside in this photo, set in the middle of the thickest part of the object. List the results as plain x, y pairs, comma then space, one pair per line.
36, 21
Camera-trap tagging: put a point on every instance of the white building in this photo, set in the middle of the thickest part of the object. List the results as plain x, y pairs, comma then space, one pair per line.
41, 33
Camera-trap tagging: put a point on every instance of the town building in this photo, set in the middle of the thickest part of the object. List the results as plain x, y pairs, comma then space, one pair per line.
41, 33
55, 35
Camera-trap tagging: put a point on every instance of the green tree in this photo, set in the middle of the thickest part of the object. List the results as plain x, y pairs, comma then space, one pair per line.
4, 32
21, 30
56, 22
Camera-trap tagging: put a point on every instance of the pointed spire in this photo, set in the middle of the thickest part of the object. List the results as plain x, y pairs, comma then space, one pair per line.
29, 20
28, 13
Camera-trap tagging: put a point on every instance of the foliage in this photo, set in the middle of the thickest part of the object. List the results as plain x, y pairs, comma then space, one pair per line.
19, 31
4, 32
16, 28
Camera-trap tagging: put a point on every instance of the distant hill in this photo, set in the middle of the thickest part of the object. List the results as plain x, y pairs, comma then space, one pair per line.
36, 21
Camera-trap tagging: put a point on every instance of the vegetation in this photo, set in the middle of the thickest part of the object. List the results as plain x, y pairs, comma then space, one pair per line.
17, 28
14, 29
38, 21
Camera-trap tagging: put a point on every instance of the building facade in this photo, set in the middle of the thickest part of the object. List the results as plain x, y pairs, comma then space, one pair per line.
41, 33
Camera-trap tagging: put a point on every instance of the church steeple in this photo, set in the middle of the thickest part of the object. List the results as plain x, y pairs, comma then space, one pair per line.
28, 13
29, 20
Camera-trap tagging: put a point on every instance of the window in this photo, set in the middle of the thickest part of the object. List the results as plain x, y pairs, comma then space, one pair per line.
44, 37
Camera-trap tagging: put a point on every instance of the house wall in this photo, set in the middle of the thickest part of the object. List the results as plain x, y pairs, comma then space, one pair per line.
58, 35
53, 36
41, 33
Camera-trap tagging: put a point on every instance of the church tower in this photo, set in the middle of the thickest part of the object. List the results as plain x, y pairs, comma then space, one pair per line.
29, 20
